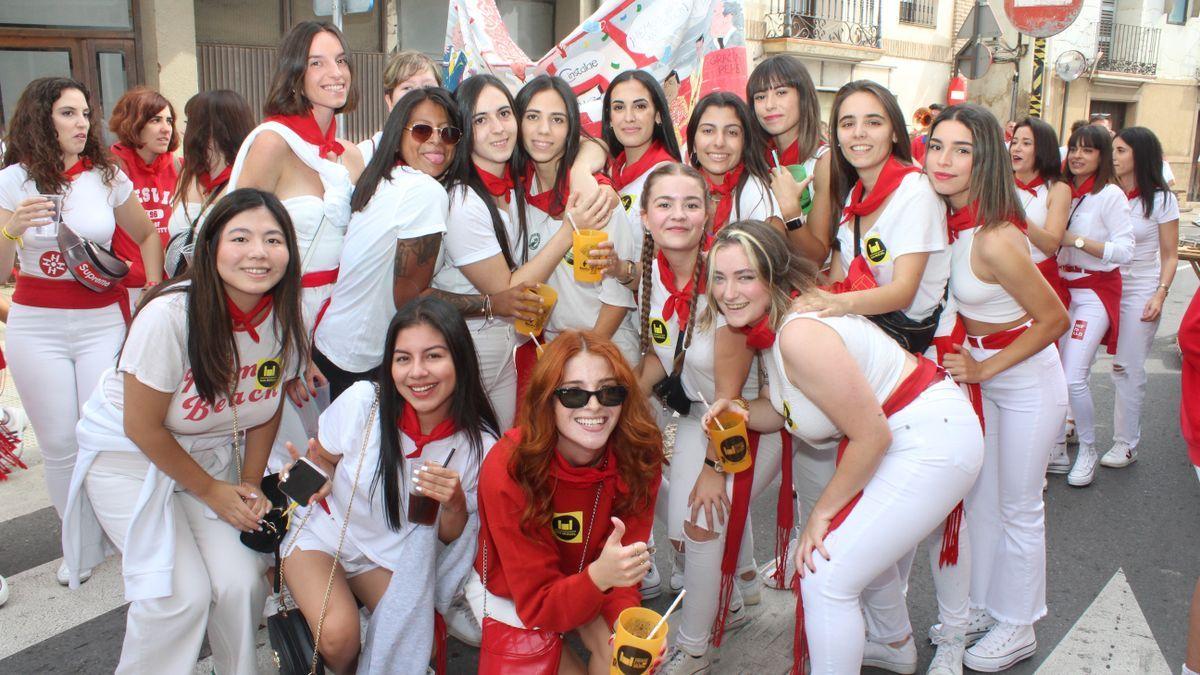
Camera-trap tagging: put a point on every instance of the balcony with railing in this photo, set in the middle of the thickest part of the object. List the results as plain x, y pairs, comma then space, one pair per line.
854, 23
1128, 49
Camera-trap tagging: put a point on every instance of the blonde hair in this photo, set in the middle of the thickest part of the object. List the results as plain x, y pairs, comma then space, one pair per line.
405, 64
784, 272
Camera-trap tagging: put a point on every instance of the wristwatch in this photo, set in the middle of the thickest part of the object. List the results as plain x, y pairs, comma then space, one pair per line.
1079, 242
714, 465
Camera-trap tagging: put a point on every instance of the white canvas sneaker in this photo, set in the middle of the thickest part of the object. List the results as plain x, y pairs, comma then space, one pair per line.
1004, 646
948, 660
902, 659
1120, 456
1084, 470
1060, 461
978, 625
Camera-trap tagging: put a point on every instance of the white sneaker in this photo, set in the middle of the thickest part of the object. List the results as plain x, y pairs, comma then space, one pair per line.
737, 619
768, 572
949, 657
679, 662
902, 659
652, 583
1120, 456
676, 583
1084, 470
3, 591
461, 623
1060, 461
979, 622
751, 589
1004, 646
64, 577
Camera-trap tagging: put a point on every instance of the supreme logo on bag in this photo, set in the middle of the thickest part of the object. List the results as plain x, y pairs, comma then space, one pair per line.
1079, 330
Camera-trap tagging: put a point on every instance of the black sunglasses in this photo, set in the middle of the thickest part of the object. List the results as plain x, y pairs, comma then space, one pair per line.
574, 397
422, 132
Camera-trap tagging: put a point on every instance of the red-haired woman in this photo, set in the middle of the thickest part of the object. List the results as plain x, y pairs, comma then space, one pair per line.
144, 124
585, 450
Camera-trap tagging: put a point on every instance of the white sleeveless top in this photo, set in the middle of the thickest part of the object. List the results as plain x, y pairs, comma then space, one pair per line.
977, 299
320, 246
1036, 209
880, 358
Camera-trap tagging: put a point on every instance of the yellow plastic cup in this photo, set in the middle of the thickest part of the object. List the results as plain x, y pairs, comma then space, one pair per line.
582, 243
549, 298
634, 649
731, 443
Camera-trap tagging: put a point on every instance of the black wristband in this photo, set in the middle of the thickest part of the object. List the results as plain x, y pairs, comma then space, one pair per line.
794, 224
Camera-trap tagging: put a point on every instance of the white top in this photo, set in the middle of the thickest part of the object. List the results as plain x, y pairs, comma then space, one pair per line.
367, 146
320, 245
341, 433
912, 221
1103, 216
755, 202
1168, 174
188, 215
631, 199
1146, 261
1036, 210
880, 358
977, 299
410, 204
87, 209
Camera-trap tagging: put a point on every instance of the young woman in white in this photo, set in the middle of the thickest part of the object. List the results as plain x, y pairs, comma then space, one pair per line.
1012, 320
726, 146
431, 403
1098, 239
391, 247
550, 136
61, 335
707, 511
295, 154
1145, 281
788, 112
173, 443
405, 70
909, 444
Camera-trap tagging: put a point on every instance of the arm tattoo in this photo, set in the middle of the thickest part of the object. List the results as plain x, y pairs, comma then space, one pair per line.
469, 306
412, 253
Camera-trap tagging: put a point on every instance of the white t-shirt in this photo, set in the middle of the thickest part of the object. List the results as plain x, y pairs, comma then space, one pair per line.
409, 205
912, 221
1103, 216
755, 202
87, 209
367, 147
1036, 210
1168, 174
341, 433
1146, 260
631, 199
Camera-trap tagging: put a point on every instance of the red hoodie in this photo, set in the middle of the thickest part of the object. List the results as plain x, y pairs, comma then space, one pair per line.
153, 185
541, 574
1189, 399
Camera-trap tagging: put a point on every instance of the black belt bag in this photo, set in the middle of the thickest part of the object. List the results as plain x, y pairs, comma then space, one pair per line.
914, 335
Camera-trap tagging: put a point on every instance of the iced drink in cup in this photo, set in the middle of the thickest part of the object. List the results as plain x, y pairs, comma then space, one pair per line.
422, 510
727, 433
51, 229
549, 297
634, 648
582, 243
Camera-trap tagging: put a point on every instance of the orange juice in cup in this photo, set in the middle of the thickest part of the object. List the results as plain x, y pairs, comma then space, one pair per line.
582, 243
634, 648
727, 433
533, 327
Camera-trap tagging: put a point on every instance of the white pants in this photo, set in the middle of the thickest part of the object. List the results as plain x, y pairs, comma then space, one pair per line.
1129, 364
494, 347
1024, 408
56, 357
217, 583
935, 455
1078, 347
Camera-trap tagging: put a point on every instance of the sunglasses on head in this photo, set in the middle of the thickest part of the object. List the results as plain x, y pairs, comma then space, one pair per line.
574, 397
422, 132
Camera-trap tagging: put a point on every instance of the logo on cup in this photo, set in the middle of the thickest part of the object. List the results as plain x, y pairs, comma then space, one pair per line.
733, 449
659, 332
568, 527
268, 373
632, 660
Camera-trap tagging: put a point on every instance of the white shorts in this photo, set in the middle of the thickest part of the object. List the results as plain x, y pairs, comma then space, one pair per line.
352, 560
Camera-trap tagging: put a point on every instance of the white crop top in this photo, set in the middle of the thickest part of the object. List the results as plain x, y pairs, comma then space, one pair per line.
977, 299
1036, 209
880, 358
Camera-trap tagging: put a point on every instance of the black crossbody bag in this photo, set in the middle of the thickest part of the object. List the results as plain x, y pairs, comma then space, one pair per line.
914, 336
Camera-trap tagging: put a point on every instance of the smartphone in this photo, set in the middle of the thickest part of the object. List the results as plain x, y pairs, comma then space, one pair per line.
303, 481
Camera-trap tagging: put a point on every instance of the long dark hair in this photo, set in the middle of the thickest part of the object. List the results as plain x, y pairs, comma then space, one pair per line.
753, 143
462, 169
470, 408
220, 117
785, 70
383, 163
211, 344
32, 140
664, 128
1092, 136
286, 94
1147, 164
1046, 162
522, 160
843, 176
991, 185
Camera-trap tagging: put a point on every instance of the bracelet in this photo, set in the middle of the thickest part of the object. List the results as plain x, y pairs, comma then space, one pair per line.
9, 236
794, 224
628, 276
741, 401
1165, 288
487, 307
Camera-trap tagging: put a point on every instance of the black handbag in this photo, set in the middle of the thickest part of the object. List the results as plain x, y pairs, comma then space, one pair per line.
275, 524
669, 390
913, 335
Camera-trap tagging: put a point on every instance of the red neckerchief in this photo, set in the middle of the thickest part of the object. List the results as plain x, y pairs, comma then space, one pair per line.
679, 301
759, 335
248, 321
724, 192
890, 177
210, 183
1133, 194
790, 155
411, 426
306, 127
961, 220
1030, 187
77, 169
140, 172
623, 174
1086, 188
588, 476
545, 201
497, 186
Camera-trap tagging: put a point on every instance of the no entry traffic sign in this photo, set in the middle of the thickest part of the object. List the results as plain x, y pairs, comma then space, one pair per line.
1042, 18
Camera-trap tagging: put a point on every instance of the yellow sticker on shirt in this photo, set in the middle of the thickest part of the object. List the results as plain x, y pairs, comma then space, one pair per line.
568, 527
875, 251
267, 374
659, 332
787, 415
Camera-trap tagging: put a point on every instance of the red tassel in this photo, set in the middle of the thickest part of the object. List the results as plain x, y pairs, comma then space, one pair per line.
950, 531
785, 513
439, 643
723, 598
799, 639
735, 528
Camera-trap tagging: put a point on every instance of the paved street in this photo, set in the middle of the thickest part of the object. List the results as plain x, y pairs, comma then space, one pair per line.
1124, 555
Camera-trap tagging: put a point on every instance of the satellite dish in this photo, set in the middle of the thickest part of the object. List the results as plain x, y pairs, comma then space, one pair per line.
1070, 65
